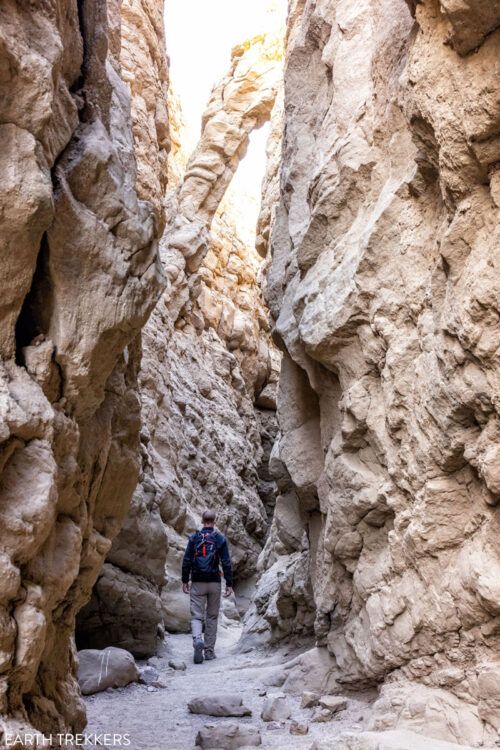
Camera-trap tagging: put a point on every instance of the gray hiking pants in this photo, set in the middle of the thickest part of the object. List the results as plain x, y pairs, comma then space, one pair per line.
205, 605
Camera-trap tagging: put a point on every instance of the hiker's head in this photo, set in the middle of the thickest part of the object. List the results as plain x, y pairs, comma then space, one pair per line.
208, 517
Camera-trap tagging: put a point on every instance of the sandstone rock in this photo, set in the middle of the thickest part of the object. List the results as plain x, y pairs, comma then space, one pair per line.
393, 740
309, 700
333, 703
144, 67
148, 675
228, 736
80, 274
110, 668
164, 680
413, 707
177, 664
383, 289
322, 715
158, 662
220, 705
276, 708
273, 726
315, 669
298, 727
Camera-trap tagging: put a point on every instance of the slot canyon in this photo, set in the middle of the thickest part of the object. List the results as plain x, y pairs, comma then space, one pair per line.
287, 312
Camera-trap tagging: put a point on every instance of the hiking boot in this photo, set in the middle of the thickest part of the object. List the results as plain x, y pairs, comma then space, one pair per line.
209, 655
198, 651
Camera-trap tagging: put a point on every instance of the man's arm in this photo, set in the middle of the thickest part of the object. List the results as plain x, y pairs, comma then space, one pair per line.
187, 564
226, 564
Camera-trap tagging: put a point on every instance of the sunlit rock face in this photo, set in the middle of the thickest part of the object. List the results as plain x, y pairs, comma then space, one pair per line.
384, 285
144, 68
80, 275
208, 380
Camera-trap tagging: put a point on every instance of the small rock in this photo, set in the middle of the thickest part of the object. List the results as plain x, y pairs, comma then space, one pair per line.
148, 675
262, 691
162, 681
276, 679
333, 703
276, 708
309, 700
321, 715
228, 736
298, 727
158, 662
177, 664
220, 705
273, 725
151, 689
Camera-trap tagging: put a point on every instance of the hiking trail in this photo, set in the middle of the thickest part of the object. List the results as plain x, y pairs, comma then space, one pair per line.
160, 720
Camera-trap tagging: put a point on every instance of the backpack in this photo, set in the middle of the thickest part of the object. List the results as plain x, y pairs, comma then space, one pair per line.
206, 557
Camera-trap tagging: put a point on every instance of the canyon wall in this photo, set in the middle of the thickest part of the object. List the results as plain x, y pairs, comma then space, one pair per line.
208, 380
384, 288
80, 275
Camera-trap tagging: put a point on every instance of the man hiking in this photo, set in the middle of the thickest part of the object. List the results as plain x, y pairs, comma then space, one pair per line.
205, 550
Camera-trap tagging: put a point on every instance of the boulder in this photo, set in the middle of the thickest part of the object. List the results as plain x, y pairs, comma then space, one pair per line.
110, 668
219, 705
228, 736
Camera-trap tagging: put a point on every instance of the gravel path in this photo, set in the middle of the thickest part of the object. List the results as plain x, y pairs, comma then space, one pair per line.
160, 720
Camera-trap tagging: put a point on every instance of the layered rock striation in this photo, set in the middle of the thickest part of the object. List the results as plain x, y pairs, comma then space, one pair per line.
384, 287
80, 276
208, 362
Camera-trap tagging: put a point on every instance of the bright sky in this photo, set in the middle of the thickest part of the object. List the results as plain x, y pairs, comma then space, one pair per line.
199, 36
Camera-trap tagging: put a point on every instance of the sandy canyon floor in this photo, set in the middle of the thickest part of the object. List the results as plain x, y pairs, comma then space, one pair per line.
161, 720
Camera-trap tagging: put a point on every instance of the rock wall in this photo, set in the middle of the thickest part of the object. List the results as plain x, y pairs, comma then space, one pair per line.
144, 68
207, 361
384, 287
80, 274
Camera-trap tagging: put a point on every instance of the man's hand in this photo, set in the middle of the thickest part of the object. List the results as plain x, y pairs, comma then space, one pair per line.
186, 587
228, 591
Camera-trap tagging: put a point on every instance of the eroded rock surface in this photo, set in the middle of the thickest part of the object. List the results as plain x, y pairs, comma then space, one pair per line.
110, 668
80, 274
384, 285
207, 358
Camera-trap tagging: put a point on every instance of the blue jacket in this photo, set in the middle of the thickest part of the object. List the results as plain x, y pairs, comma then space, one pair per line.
189, 570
